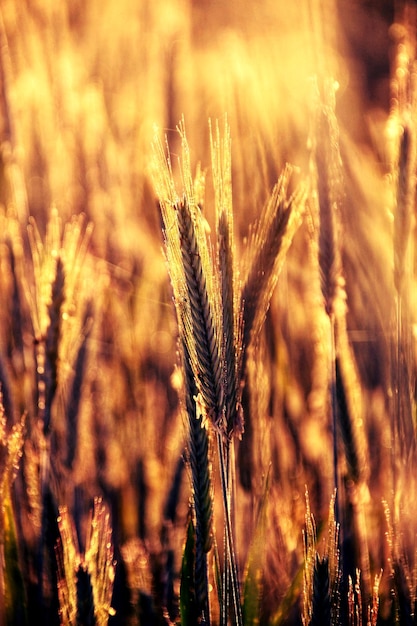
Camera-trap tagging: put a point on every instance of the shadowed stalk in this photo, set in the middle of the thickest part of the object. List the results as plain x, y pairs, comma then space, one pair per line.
327, 173
352, 434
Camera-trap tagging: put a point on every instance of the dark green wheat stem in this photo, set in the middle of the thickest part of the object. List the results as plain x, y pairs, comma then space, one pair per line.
199, 460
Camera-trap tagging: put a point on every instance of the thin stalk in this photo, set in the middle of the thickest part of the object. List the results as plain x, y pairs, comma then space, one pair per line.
230, 565
198, 452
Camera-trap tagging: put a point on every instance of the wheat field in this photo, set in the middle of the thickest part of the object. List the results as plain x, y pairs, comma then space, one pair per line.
208, 320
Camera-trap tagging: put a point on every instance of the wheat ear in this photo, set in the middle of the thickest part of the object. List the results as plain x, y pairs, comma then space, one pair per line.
231, 308
267, 247
404, 160
204, 296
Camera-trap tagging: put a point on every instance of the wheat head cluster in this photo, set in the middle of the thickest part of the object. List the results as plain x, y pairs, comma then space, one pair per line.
208, 313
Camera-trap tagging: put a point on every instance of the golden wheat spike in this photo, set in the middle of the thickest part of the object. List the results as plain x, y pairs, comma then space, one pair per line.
268, 244
232, 314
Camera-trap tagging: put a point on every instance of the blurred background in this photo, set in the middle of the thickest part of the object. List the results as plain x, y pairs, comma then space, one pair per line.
85, 85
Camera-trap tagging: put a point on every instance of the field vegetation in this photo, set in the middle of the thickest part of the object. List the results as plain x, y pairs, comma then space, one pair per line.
208, 313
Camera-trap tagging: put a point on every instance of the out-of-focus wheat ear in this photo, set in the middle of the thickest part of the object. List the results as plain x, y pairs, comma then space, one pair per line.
267, 247
100, 562
44, 260
68, 559
325, 202
85, 583
231, 350
403, 129
405, 200
19, 314
327, 170
404, 161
